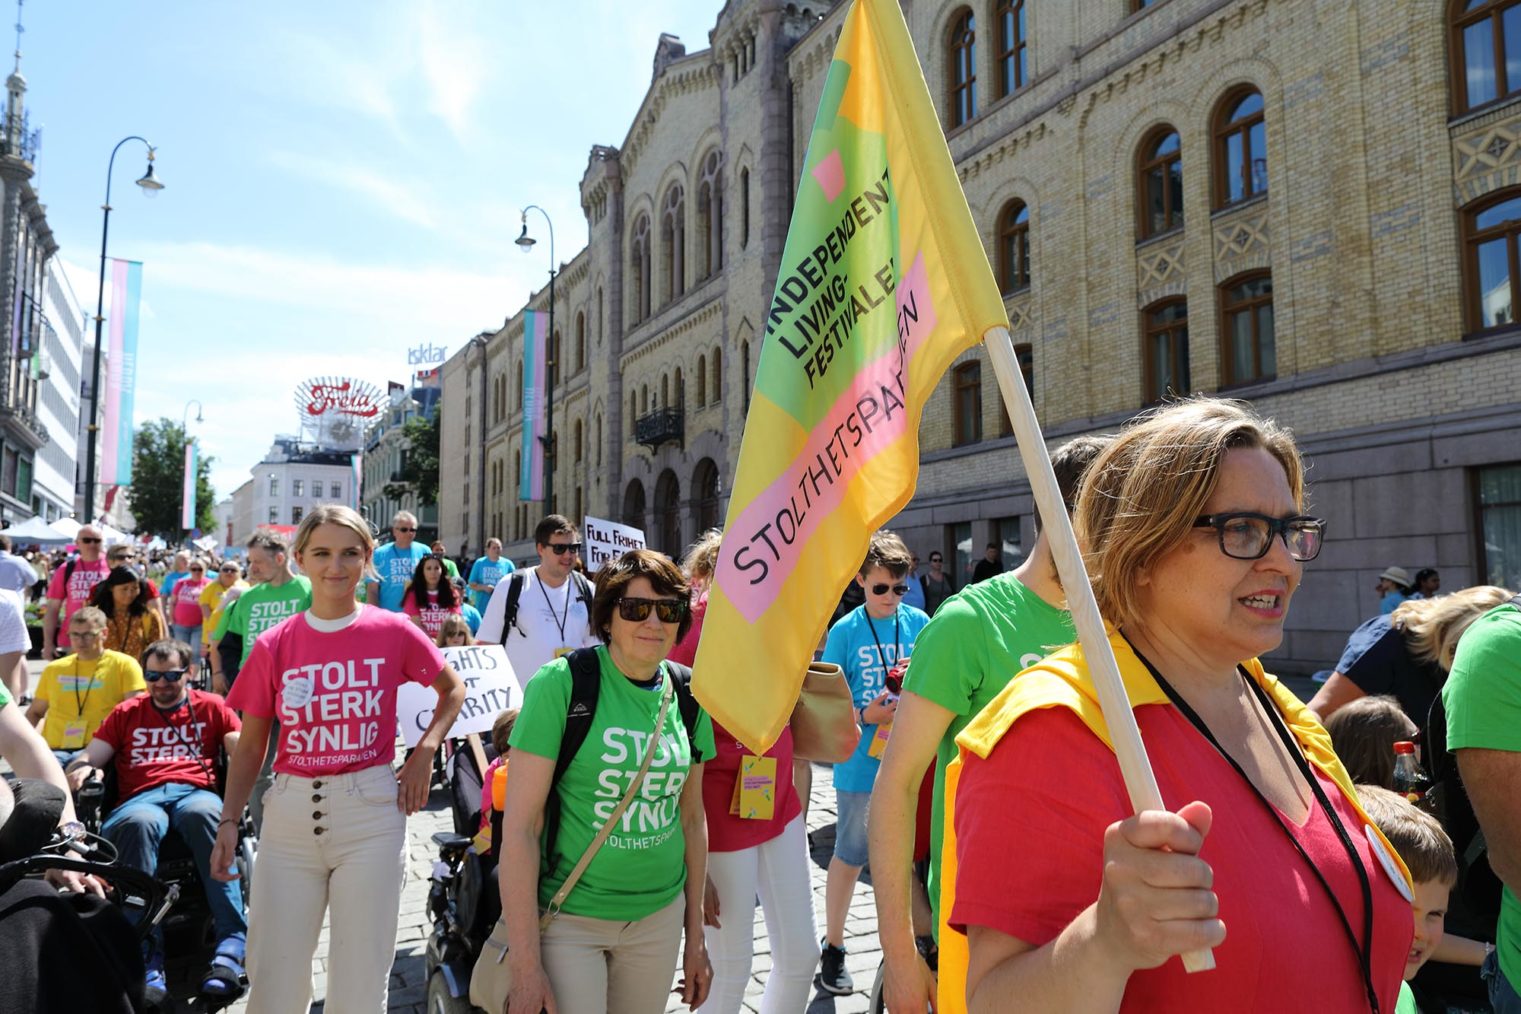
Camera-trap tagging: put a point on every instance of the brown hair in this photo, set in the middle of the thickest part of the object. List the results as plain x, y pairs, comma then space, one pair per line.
501, 731
1071, 462
272, 543
1363, 735
168, 650
1139, 499
551, 526
888, 551
1432, 626
614, 578
453, 624
1415, 834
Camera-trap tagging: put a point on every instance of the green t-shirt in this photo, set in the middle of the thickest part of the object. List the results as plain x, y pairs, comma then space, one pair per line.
974, 644
5, 697
642, 865
451, 569
264, 606
1483, 702
1406, 1002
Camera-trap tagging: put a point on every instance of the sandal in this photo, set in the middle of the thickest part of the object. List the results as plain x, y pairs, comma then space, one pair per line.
227, 978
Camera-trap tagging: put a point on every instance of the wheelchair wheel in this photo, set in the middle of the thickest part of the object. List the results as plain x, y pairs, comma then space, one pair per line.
441, 1002
245, 866
876, 1005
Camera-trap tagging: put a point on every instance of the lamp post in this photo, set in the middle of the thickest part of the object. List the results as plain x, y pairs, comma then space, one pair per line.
526, 242
151, 186
185, 416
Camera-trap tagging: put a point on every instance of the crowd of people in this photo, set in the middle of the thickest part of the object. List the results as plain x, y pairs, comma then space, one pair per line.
637, 836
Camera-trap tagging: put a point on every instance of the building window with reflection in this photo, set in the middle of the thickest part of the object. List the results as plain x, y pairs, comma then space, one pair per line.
966, 401
1249, 353
1014, 248
1490, 270
1160, 178
1240, 148
1013, 46
1486, 51
1165, 350
961, 67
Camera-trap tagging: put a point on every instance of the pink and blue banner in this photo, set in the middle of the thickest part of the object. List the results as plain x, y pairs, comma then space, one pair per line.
535, 351
121, 373
187, 495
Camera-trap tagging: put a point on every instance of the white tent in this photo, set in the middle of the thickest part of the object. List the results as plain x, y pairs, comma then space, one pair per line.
35, 530
112, 535
67, 527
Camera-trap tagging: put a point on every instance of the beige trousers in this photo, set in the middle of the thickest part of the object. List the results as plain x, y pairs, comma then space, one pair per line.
336, 845
601, 966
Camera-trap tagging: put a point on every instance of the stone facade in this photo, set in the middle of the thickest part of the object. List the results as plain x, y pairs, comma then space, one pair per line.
1363, 178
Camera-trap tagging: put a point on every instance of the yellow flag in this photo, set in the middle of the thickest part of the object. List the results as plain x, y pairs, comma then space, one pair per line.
882, 284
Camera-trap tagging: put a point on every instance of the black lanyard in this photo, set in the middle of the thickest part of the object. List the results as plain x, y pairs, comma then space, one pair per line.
897, 644
1364, 955
78, 702
561, 620
188, 736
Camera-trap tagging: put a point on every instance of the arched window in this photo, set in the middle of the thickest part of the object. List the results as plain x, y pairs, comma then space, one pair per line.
1024, 355
744, 365
710, 214
673, 242
518, 372
577, 442
1249, 353
966, 402
555, 347
640, 267
702, 381
1486, 51
681, 390
633, 412
1013, 68
1240, 148
665, 391
1491, 275
1159, 173
718, 374
1165, 349
961, 68
744, 208
580, 340
517, 472
601, 319
1014, 247
633, 504
598, 430
644, 398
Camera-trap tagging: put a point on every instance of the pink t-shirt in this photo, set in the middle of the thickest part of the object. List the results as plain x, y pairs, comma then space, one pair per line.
331, 684
84, 579
433, 616
187, 601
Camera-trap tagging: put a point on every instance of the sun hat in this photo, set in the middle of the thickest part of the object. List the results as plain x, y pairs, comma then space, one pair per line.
1399, 575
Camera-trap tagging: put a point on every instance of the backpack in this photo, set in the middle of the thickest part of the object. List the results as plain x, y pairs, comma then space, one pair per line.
515, 591
585, 686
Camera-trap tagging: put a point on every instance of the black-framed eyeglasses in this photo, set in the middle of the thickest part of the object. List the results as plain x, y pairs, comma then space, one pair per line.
883, 589
1247, 535
172, 675
561, 548
638, 610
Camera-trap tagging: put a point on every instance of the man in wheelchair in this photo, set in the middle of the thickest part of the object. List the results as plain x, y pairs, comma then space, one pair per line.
165, 746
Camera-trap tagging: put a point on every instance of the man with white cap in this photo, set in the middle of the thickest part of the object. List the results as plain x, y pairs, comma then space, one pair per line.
1393, 588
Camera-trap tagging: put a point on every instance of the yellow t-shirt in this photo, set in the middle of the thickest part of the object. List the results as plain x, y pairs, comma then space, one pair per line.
211, 598
69, 682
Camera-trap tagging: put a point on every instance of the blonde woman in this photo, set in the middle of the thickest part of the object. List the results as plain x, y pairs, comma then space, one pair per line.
454, 632
1406, 654
334, 833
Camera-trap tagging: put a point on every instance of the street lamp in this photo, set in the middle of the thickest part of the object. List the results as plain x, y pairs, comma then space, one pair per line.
150, 186
526, 242
185, 417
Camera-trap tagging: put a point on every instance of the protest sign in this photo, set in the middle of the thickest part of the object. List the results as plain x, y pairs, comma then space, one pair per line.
606, 541
490, 688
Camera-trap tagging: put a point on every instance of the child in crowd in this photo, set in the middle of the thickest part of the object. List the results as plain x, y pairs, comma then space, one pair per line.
1363, 735
454, 632
501, 732
871, 642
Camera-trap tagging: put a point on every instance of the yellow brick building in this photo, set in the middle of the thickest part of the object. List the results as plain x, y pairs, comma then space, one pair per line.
1312, 206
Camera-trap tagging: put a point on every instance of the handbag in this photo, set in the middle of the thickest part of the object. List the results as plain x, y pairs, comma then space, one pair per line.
491, 978
823, 721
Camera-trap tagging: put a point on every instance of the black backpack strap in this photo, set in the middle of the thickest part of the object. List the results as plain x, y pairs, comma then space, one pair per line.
583, 589
585, 686
510, 610
687, 702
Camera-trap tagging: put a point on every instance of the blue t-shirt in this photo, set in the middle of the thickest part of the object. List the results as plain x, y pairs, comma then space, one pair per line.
1377, 658
915, 594
472, 617
485, 572
866, 649
1391, 601
396, 567
171, 579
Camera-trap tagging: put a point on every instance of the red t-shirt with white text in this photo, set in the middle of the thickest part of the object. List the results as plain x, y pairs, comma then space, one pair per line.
332, 687
154, 747
433, 615
81, 582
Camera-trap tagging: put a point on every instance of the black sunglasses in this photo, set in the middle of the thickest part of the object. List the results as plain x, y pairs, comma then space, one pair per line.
560, 549
638, 610
89, 542
172, 675
403, 529
937, 559
883, 589
1247, 535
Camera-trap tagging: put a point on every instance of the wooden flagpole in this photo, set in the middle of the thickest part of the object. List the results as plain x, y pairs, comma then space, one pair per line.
1140, 782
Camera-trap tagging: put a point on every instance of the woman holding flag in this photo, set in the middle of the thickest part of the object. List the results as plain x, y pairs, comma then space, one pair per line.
1195, 535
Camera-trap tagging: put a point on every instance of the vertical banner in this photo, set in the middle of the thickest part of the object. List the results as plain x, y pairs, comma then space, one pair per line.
883, 282
121, 373
535, 351
187, 496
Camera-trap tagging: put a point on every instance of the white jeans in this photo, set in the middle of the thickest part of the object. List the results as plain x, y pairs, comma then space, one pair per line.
777, 871
333, 844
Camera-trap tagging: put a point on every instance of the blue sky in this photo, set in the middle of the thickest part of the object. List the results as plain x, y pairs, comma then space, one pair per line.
343, 179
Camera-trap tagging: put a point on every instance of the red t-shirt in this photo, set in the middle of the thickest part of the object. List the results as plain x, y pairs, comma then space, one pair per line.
84, 579
154, 747
332, 686
187, 601
684, 651
1030, 823
727, 832
433, 615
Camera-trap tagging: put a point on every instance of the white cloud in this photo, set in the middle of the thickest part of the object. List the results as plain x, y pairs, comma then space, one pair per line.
407, 201
454, 62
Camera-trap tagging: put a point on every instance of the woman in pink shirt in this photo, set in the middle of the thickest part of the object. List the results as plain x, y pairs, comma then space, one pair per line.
430, 596
185, 619
334, 834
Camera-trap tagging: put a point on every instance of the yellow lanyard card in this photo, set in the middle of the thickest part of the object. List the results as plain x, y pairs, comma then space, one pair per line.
754, 788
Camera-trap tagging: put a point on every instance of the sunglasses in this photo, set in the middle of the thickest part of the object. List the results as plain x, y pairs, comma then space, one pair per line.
89, 542
563, 548
172, 675
403, 529
638, 610
84, 635
883, 589
936, 559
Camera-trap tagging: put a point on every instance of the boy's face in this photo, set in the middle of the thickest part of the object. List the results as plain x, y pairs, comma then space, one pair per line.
1430, 904
884, 603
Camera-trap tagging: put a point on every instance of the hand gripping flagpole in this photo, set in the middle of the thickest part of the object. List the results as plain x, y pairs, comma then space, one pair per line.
1140, 782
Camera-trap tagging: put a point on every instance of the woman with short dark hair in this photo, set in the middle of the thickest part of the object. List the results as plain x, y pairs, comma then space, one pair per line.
612, 942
